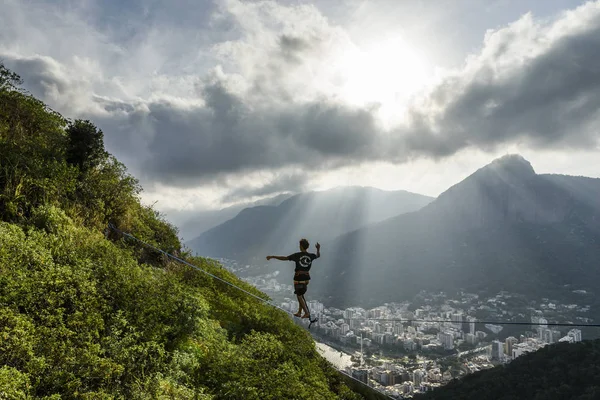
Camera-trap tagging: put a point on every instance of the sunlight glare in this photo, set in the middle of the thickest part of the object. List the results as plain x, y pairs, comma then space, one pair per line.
387, 73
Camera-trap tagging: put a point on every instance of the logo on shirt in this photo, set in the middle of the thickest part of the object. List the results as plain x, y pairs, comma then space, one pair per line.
304, 261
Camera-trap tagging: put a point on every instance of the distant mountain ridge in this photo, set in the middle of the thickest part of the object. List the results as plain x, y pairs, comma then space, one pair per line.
319, 216
502, 228
509, 190
204, 220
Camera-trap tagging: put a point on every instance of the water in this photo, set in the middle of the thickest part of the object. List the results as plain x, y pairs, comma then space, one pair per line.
333, 356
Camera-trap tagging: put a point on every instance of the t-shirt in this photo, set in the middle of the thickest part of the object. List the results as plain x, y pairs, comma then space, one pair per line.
303, 263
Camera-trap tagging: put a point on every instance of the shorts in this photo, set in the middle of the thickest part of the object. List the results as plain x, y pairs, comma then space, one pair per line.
300, 288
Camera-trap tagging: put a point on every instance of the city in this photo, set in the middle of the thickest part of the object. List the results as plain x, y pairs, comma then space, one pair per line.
406, 348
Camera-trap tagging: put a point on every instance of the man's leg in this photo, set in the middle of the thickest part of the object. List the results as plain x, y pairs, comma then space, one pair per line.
298, 290
305, 308
300, 307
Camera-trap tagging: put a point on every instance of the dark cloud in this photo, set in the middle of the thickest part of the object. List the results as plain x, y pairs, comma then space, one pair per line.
225, 136
291, 47
283, 183
550, 101
112, 106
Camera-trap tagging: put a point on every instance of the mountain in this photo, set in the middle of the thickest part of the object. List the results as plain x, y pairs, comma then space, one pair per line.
559, 371
201, 221
502, 228
258, 231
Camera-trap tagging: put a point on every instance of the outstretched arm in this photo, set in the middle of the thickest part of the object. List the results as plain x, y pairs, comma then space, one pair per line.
318, 246
280, 258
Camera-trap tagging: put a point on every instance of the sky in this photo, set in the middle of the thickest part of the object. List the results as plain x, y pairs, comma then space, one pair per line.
209, 103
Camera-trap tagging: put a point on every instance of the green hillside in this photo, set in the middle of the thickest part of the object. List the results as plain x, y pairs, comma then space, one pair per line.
556, 372
87, 314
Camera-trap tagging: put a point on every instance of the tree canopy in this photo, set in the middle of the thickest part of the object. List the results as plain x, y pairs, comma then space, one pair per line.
558, 371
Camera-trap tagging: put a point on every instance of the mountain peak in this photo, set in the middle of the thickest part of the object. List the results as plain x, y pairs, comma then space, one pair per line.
513, 164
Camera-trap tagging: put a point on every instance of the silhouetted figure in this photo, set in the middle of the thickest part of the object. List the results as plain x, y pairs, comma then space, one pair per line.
303, 260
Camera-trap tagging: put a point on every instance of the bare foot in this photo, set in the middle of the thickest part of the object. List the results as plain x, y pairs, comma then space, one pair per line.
306, 316
297, 314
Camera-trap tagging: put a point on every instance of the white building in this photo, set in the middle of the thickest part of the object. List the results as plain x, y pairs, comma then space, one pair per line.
510, 342
575, 334
418, 377
398, 329
470, 338
344, 328
471, 325
447, 340
315, 307
521, 348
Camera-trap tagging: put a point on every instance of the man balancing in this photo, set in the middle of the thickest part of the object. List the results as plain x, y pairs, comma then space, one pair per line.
303, 260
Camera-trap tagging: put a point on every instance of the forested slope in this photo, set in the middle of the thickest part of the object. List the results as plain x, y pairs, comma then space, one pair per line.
559, 371
88, 314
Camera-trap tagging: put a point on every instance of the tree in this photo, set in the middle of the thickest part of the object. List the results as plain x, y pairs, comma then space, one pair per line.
85, 147
8, 79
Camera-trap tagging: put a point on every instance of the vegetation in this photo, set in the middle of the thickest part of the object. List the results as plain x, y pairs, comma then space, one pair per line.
559, 371
88, 314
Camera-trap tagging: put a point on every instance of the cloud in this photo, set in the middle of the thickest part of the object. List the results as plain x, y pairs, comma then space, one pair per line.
281, 183
261, 91
52, 81
534, 84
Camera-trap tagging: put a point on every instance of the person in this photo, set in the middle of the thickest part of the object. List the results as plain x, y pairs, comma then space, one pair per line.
303, 260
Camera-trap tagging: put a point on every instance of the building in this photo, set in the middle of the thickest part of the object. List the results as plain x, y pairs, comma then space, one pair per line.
471, 321
549, 335
398, 329
315, 307
385, 378
354, 323
480, 335
419, 376
410, 345
575, 334
457, 319
497, 350
389, 338
344, 329
322, 319
509, 343
470, 338
447, 340
521, 348
361, 375
379, 338
395, 377
336, 332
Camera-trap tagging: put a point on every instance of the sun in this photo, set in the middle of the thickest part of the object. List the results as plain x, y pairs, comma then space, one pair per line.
387, 73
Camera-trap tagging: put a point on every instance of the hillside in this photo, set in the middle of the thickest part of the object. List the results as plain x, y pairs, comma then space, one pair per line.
324, 215
88, 314
502, 228
559, 371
